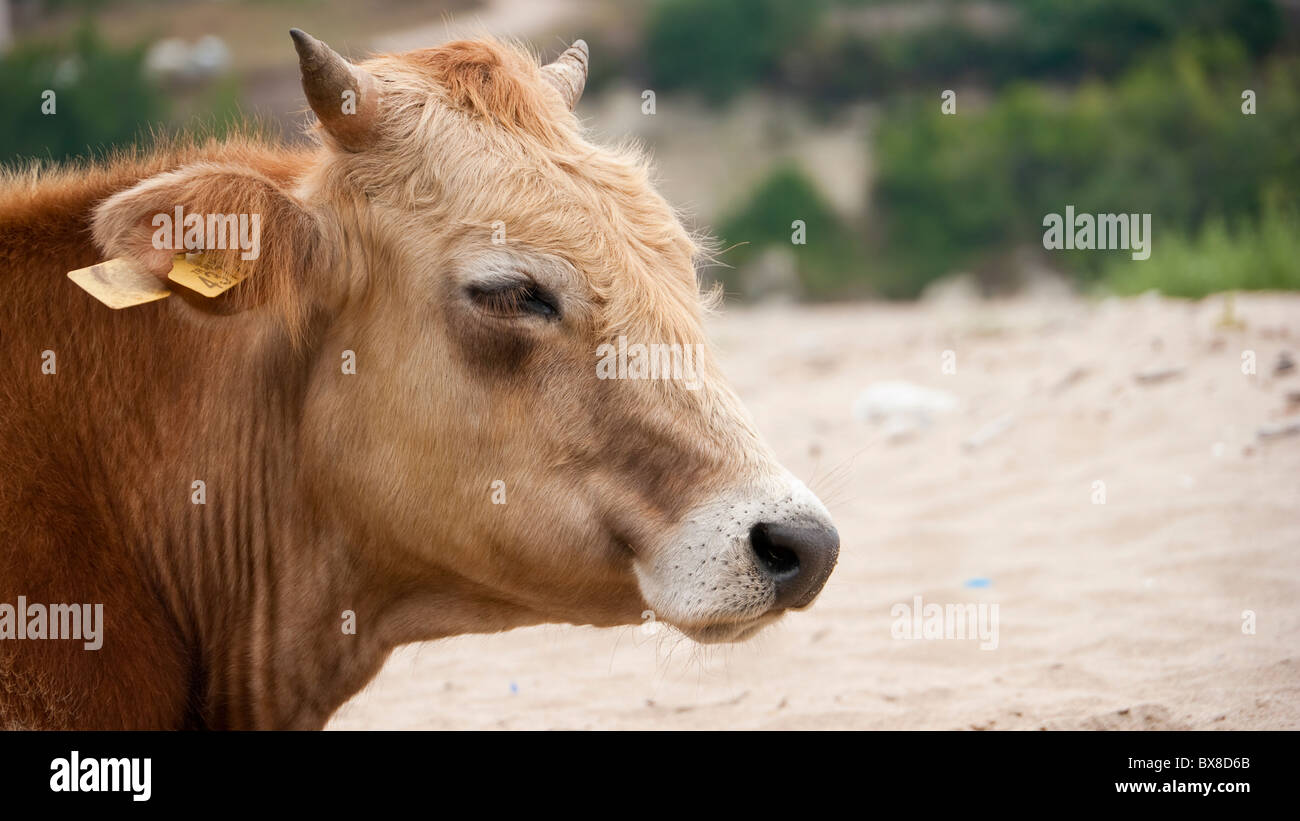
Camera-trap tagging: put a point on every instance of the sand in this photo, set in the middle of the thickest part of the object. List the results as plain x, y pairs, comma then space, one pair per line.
1125, 614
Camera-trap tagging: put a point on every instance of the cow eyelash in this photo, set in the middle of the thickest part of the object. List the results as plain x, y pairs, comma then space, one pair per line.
512, 299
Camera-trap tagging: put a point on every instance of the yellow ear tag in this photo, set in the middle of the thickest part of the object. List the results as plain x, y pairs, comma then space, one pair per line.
120, 283
200, 274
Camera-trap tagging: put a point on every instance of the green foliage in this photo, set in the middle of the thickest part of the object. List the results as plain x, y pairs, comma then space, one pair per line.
824, 264
1111, 106
719, 47
1105, 36
1170, 140
100, 98
1252, 257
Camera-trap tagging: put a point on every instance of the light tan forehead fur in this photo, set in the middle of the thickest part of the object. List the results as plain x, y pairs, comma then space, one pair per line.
471, 133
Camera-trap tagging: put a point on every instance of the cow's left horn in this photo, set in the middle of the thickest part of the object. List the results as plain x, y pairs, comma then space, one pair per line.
327, 79
569, 72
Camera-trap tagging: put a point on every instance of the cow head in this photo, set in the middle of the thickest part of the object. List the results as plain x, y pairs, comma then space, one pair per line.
536, 426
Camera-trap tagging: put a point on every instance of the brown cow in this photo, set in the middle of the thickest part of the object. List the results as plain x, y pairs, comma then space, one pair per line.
402, 419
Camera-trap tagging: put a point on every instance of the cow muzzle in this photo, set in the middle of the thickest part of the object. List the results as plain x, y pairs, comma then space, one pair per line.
740, 561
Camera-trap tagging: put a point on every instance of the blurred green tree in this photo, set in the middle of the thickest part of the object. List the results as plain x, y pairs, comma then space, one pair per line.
100, 98
828, 264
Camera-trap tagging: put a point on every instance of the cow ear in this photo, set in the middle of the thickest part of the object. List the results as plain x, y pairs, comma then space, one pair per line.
281, 246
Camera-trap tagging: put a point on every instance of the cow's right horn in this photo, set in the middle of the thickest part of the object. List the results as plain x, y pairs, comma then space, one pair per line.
344, 97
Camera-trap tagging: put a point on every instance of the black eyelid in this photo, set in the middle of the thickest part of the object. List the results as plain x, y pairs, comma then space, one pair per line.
515, 296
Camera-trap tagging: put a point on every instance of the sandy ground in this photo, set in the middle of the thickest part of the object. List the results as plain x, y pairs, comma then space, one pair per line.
1123, 614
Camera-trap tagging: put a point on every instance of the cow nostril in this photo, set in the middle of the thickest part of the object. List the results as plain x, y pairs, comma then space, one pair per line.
797, 558
776, 560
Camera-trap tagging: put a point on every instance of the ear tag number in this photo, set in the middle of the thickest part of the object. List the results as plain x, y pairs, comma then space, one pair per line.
198, 273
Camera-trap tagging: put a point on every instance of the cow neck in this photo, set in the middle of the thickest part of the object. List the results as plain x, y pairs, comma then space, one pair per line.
256, 583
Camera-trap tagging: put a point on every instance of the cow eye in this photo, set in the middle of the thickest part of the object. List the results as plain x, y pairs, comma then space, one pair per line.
514, 299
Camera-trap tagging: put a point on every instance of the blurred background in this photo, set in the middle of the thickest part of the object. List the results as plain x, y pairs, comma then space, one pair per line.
768, 111
975, 483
